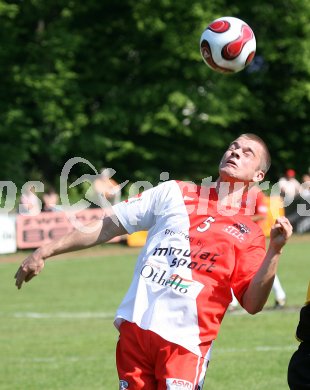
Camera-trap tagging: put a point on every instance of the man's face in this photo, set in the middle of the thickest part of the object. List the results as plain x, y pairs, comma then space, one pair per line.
241, 161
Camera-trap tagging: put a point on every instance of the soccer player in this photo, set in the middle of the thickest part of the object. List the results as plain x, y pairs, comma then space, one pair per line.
200, 245
298, 375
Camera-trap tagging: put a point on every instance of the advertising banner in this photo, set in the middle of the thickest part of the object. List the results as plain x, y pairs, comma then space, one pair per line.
35, 231
7, 234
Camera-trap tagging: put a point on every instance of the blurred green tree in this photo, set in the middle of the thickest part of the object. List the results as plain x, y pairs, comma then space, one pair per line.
122, 84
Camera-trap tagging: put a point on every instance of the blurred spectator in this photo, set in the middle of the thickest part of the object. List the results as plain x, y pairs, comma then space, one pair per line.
289, 187
50, 200
29, 202
106, 188
305, 186
298, 374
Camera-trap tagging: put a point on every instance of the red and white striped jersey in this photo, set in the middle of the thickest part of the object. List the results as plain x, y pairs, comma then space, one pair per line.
194, 255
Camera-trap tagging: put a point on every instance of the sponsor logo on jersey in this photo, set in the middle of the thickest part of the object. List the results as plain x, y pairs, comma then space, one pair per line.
123, 385
237, 230
178, 284
242, 227
160, 277
195, 259
178, 384
176, 280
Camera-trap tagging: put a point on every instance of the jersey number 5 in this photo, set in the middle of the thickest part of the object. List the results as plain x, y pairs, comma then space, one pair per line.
205, 224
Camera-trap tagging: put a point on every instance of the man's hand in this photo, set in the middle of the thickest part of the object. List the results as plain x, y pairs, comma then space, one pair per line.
96, 232
29, 268
280, 232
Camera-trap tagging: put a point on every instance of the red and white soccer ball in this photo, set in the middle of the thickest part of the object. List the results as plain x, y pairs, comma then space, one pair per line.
227, 45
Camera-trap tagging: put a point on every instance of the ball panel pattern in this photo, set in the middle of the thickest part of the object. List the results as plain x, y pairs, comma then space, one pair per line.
233, 49
250, 58
207, 55
219, 26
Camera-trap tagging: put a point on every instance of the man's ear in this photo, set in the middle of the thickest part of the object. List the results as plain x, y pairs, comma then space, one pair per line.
258, 176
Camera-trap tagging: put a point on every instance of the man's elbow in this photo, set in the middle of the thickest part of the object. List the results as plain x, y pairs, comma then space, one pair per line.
253, 310
252, 307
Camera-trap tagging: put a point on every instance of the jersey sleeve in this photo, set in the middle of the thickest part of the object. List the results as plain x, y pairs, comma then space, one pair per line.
247, 264
140, 212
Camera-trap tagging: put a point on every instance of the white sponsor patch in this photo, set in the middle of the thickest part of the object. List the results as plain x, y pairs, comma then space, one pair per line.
178, 384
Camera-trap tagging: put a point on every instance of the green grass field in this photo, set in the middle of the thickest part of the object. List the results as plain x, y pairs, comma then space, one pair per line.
57, 332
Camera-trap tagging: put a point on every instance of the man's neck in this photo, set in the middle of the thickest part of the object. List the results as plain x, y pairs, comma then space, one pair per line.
230, 192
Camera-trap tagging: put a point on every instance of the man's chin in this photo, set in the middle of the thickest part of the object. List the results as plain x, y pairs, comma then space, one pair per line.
227, 173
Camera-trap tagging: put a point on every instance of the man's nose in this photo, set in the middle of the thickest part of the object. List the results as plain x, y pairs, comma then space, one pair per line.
236, 153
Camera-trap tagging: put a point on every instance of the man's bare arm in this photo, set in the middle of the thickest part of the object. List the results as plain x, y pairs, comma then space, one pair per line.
259, 289
97, 232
